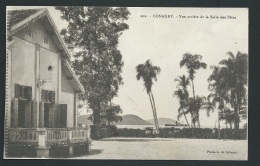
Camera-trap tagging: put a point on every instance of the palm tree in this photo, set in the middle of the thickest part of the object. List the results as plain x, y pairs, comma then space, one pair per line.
219, 93
183, 82
236, 81
148, 72
193, 106
193, 63
182, 95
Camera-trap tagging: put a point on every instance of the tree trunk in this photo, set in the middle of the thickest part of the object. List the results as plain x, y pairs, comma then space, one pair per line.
193, 89
192, 121
186, 119
218, 129
96, 116
96, 122
155, 112
236, 124
198, 119
156, 130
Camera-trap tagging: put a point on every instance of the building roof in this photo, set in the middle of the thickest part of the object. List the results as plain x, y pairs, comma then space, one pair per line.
16, 16
20, 19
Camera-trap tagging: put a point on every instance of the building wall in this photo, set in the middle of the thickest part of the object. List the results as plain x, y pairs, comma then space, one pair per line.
23, 66
65, 83
38, 33
49, 58
68, 98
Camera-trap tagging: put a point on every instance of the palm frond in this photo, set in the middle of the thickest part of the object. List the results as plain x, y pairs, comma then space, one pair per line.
230, 54
203, 65
138, 76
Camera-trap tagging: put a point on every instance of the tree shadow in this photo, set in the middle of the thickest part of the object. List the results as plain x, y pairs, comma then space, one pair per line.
129, 140
95, 151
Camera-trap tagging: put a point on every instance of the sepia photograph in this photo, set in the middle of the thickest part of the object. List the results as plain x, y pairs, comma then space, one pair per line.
128, 83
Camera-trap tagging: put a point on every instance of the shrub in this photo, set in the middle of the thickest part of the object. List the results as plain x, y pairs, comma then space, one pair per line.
102, 131
197, 133
233, 134
125, 132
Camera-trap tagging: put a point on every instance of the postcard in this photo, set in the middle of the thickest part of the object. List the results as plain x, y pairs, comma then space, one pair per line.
130, 83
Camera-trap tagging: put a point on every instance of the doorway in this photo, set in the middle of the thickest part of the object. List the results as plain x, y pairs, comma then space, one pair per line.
21, 113
46, 115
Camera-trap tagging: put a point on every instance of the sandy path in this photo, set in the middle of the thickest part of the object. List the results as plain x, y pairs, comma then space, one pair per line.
168, 149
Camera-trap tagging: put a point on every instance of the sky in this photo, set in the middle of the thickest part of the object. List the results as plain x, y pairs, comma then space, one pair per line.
164, 41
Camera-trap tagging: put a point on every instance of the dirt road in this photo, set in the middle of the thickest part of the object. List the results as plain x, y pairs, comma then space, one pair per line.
168, 149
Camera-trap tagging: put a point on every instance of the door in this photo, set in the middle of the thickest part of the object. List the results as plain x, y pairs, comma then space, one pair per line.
46, 115
63, 115
21, 113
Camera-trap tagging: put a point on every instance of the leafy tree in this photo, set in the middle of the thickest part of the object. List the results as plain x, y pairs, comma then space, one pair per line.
92, 35
182, 95
236, 82
111, 114
229, 116
193, 63
148, 72
228, 85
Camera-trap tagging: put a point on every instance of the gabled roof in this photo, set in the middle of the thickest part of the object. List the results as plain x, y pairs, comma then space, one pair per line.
16, 16
20, 19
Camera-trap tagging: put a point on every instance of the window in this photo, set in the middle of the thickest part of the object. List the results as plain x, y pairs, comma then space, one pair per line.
46, 39
22, 107
23, 92
48, 96
46, 115
28, 33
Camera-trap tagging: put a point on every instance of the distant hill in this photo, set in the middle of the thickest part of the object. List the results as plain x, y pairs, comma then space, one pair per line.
132, 120
163, 121
126, 120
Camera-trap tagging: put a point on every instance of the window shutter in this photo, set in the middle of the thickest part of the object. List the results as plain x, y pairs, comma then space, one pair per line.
34, 114
53, 97
51, 115
43, 95
22, 92
49, 96
14, 114
28, 92
46, 96
41, 115
17, 90
57, 116
28, 117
